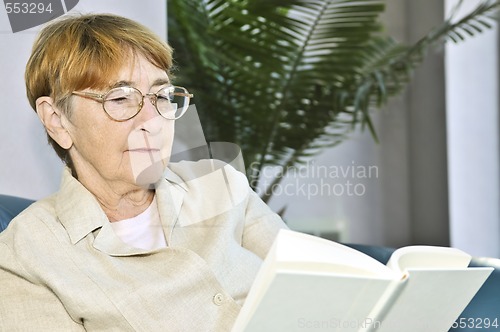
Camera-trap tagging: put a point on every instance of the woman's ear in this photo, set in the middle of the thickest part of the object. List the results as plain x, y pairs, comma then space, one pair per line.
52, 119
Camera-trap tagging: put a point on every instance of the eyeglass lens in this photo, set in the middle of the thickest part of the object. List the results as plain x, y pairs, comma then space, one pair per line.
125, 102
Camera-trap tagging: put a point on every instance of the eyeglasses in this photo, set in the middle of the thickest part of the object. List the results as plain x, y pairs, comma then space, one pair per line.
123, 103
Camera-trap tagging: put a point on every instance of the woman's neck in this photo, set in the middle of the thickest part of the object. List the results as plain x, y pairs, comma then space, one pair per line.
128, 206
118, 199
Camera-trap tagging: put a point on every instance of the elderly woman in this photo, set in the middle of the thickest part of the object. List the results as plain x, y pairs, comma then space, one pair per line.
127, 244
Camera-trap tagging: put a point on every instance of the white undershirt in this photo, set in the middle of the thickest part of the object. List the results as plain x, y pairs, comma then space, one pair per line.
143, 231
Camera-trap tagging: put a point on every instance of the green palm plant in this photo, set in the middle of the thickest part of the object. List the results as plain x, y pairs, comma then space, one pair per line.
285, 79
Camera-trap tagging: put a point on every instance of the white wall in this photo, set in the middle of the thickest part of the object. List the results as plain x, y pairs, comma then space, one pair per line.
473, 141
28, 166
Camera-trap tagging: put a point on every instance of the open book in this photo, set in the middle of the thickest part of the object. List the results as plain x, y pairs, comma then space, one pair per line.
311, 284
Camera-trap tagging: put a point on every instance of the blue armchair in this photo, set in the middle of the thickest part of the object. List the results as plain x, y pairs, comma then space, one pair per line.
486, 303
10, 206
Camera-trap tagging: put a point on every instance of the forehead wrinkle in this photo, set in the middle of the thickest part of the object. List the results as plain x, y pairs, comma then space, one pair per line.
132, 70
131, 75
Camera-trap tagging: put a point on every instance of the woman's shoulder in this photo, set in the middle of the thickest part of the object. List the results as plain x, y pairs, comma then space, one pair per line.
36, 219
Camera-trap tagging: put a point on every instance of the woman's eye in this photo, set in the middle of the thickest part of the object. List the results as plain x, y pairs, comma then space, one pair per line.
165, 98
119, 100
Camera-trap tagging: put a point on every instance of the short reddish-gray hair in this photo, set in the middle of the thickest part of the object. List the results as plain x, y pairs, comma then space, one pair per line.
85, 51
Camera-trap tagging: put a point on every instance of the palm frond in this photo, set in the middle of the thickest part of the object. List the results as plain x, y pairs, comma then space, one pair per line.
284, 79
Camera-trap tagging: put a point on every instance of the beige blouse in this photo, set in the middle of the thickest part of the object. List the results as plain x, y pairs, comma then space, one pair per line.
62, 268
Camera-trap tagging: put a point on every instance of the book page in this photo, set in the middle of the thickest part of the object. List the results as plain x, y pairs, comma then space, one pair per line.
310, 253
428, 257
311, 302
431, 300
439, 287
308, 283
307, 280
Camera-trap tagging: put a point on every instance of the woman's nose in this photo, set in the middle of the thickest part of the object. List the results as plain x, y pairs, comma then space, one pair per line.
150, 119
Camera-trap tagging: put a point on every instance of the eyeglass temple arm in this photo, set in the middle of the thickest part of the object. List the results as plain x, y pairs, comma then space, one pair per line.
89, 95
190, 95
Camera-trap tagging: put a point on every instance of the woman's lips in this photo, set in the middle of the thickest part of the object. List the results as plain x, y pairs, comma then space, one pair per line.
144, 150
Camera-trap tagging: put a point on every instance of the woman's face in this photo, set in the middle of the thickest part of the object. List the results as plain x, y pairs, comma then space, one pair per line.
134, 152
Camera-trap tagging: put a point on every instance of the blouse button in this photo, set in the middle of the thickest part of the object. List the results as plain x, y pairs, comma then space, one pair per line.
218, 299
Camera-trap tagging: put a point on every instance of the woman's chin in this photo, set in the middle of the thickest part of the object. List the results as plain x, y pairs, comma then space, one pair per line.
147, 176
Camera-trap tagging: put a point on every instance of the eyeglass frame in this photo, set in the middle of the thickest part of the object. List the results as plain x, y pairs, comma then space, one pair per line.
100, 97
